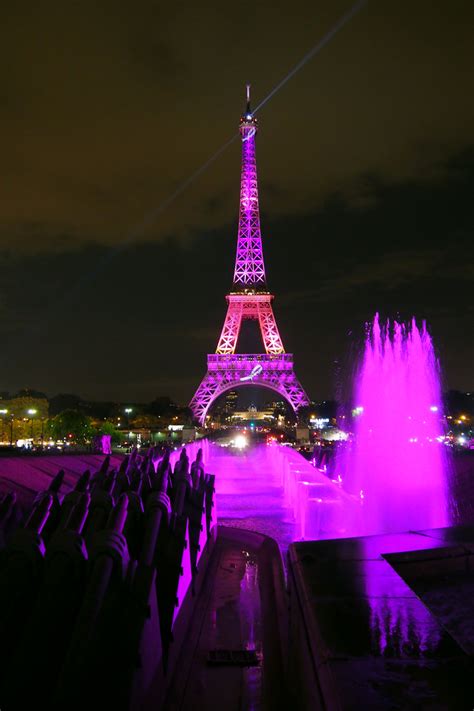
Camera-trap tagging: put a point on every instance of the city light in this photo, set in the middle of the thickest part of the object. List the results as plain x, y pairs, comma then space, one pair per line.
32, 411
240, 442
319, 422
433, 408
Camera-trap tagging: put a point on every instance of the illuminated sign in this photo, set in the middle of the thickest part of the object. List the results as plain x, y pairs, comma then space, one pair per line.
250, 134
255, 371
319, 422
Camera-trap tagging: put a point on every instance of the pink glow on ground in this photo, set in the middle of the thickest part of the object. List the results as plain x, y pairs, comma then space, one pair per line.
395, 458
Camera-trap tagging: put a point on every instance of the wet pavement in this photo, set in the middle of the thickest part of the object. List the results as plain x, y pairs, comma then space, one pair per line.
228, 617
373, 642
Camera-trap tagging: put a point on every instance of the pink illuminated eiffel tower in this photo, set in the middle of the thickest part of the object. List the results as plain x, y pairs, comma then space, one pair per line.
249, 299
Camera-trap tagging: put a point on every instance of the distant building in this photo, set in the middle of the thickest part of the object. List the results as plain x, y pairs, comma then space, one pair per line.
230, 401
302, 435
252, 414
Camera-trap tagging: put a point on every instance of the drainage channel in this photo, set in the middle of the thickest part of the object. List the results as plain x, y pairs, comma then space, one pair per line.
222, 663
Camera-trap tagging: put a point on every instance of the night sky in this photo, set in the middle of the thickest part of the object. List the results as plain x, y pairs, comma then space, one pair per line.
366, 169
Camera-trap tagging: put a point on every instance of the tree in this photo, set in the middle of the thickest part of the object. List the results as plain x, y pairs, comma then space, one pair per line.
162, 406
71, 424
185, 415
25, 415
146, 422
21, 407
109, 428
64, 401
29, 393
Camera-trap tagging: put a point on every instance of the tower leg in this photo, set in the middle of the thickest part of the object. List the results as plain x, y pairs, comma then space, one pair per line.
294, 393
269, 329
203, 397
230, 332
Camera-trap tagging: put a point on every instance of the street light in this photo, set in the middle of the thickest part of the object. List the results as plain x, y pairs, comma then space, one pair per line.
3, 412
128, 411
31, 413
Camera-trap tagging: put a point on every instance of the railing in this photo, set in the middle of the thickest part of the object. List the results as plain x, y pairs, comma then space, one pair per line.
97, 583
241, 360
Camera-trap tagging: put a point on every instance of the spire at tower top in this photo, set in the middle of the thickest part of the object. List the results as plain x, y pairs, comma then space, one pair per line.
248, 110
247, 118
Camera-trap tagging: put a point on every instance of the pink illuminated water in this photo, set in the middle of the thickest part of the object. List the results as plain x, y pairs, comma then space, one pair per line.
249, 492
275, 491
396, 459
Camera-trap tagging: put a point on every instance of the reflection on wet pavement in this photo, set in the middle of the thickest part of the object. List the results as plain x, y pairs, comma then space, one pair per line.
231, 620
400, 625
370, 633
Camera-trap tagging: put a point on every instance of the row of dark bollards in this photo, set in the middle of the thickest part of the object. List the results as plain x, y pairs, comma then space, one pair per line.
95, 585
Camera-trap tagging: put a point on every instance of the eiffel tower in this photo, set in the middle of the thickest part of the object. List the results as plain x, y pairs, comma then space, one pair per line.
249, 299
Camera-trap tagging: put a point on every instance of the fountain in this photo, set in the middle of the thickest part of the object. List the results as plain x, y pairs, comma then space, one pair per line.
390, 477
396, 460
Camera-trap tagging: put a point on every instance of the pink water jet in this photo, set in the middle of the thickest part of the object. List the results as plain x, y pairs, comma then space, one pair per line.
397, 459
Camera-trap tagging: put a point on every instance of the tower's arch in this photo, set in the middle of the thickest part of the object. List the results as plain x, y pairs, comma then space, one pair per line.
225, 372
236, 386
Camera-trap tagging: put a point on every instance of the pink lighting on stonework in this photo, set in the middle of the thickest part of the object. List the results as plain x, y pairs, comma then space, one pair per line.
397, 459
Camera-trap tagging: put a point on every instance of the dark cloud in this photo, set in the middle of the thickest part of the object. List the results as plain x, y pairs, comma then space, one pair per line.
159, 61
139, 322
107, 108
388, 272
366, 179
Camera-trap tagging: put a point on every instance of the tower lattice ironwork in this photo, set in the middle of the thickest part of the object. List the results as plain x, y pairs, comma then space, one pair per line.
249, 299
